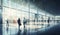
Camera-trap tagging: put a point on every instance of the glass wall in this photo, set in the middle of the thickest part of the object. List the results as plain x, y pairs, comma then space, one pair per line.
1, 17
14, 9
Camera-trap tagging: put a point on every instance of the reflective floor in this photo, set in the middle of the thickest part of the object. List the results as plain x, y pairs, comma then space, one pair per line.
30, 29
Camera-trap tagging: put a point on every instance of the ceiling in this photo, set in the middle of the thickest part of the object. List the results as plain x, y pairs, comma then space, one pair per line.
50, 6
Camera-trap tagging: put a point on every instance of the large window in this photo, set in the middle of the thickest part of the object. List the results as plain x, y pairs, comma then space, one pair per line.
14, 9
33, 9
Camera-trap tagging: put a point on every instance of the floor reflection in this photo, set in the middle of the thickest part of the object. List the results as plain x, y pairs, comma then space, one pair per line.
22, 33
30, 28
7, 29
19, 32
25, 32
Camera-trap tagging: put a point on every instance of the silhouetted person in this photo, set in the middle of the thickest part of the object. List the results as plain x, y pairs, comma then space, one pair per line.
19, 22
48, 20
7, 24
24, 22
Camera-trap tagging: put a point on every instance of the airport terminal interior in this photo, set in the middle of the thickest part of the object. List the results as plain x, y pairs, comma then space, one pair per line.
42, 17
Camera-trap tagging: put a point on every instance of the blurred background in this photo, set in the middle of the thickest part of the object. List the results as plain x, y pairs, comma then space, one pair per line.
41, 15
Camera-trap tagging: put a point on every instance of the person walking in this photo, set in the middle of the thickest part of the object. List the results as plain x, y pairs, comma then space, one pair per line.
19, 22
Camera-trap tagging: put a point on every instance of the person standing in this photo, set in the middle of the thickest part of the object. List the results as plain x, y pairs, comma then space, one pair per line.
48, 21
19, 22
24, 22
7, 25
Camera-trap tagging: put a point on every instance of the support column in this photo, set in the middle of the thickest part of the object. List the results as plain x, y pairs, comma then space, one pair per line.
1, 16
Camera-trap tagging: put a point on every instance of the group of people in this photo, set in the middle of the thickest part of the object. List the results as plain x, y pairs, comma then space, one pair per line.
24, 22
19, 22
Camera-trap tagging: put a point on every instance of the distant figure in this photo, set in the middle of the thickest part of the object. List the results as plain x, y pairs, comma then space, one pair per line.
7, 24
19, 22
24, 21
48, 21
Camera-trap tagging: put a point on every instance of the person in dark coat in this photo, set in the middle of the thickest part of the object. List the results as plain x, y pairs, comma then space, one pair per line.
19, 22
48, 21
7, 25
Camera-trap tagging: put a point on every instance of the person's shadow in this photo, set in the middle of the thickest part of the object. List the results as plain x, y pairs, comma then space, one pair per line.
25, 32
19, 32
7, 29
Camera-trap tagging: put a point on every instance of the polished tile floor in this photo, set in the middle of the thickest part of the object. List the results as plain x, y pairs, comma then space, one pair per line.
30, 29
